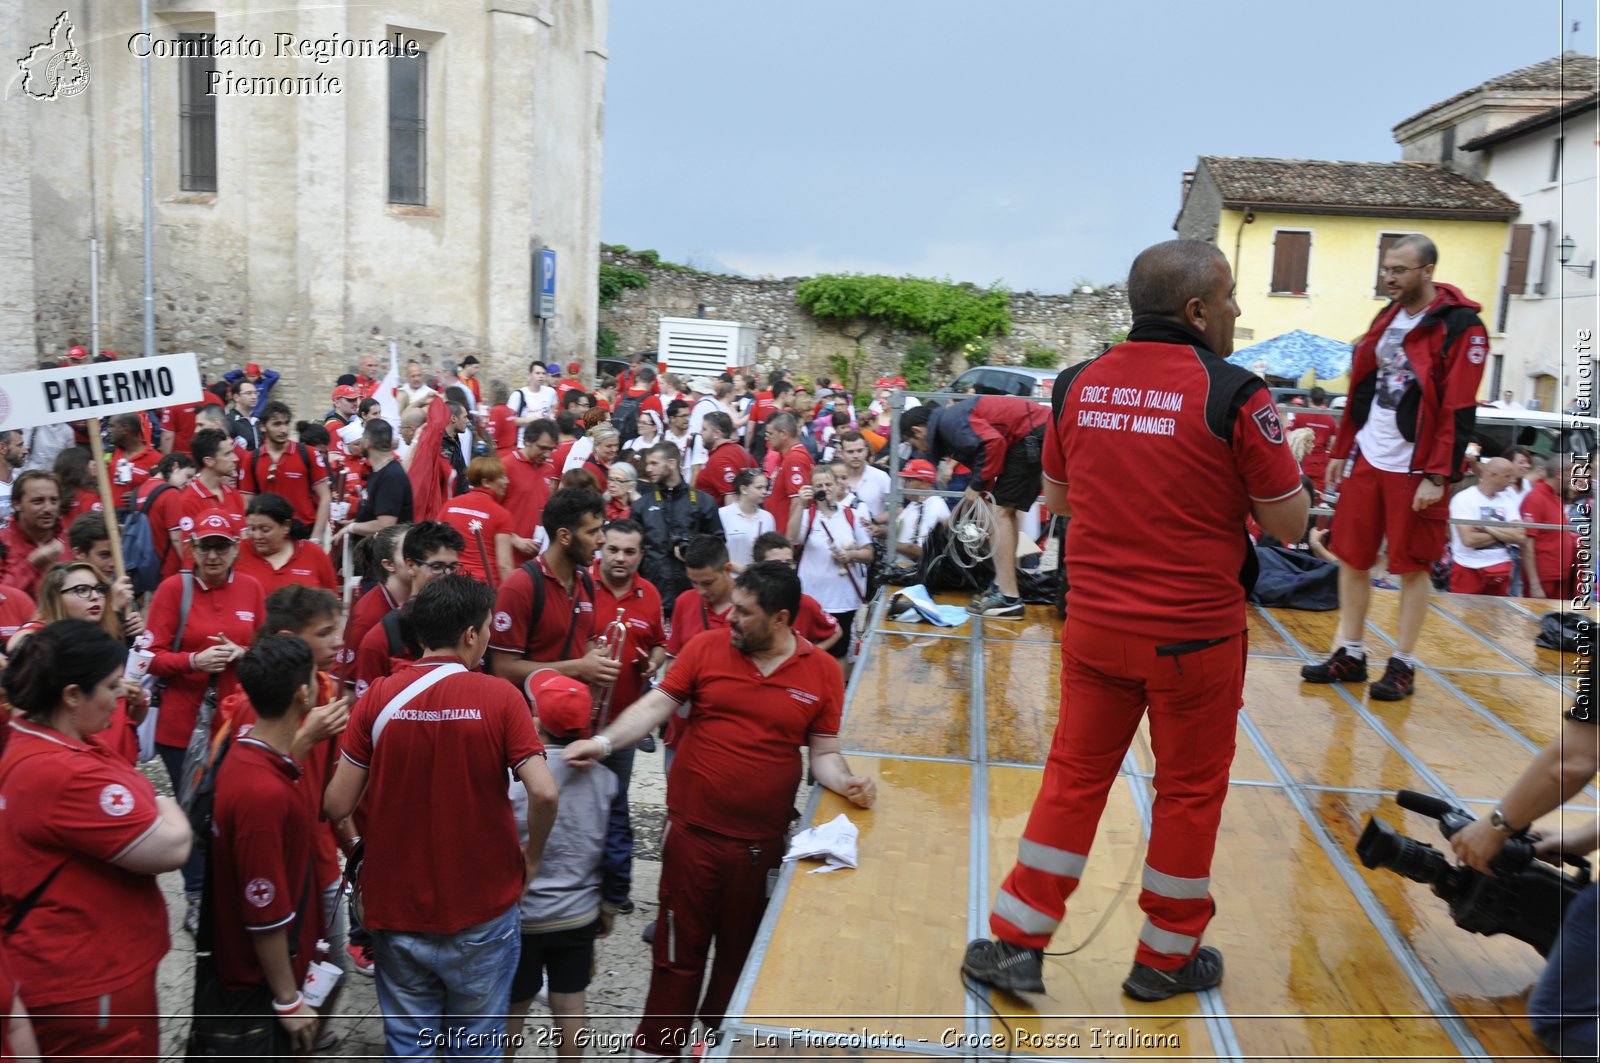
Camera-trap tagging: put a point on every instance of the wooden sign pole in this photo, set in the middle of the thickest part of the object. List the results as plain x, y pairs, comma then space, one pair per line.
106, 501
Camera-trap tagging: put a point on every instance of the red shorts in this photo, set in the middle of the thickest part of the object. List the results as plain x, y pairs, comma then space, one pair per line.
1376, 505
1494, 580
122, 1024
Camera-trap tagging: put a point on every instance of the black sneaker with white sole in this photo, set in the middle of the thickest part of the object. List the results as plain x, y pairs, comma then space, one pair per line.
1340, 668
1203, 971
1004, 966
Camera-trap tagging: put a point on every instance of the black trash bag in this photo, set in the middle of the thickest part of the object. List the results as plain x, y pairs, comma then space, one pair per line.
940, 572
1567, 632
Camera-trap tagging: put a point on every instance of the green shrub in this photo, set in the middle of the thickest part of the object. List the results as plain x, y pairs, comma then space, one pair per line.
605, 343
614, 280
976, 352
1035, 356
918, 364
950, 314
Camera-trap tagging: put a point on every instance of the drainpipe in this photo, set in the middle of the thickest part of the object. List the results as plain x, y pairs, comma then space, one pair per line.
1238, 240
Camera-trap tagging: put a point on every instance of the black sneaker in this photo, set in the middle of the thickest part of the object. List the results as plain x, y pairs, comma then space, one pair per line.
625, 908
1004, 966
1203, 971
1399, 681
1340, 668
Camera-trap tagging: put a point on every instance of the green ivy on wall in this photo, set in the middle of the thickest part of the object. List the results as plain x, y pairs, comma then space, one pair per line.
951, 314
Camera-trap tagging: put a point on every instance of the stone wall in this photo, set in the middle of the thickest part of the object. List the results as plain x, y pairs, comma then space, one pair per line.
1076, 325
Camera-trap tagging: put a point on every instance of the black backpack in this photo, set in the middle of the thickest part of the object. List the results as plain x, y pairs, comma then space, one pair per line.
625, 418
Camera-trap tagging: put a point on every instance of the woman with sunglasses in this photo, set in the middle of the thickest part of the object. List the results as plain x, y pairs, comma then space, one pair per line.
744, 520
76, 591
622, 489
84, 835
273, 556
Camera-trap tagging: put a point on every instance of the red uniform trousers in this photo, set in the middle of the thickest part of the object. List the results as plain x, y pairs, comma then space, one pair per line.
713, 888
1494, 580
122, 1024
1193, 692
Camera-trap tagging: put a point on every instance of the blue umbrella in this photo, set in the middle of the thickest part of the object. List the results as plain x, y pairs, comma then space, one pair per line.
1294, 354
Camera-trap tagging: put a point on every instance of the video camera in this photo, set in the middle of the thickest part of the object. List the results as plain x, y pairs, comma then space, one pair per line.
1525, 897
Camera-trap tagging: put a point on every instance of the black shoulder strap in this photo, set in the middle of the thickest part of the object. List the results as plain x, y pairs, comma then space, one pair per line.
183, 609
150, 499
537, 579
393, 633
26, 904
1231, 386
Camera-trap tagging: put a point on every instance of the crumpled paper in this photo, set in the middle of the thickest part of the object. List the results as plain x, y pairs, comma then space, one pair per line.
833, 841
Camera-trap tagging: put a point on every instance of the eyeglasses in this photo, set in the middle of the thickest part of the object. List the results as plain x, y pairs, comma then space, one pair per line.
221, 547
1397, 271
87, 590
442, 568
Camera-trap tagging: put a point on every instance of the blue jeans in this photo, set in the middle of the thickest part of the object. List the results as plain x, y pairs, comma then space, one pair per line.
446, 995
619, 832
1563, 1005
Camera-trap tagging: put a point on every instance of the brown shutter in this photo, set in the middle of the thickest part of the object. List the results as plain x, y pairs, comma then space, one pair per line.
1385, 241
1291, 259
1517, 267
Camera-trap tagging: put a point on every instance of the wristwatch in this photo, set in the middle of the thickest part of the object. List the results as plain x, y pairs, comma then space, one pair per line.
1435, 479
1497, 820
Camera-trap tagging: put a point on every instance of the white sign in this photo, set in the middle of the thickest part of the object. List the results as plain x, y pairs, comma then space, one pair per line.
101, 389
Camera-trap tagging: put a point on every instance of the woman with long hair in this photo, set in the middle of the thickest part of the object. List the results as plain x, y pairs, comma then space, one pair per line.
83, 836
744, 520
76, 591
80, 493
273, 556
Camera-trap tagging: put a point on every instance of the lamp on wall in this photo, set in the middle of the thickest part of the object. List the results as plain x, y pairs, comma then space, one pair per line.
1564, 251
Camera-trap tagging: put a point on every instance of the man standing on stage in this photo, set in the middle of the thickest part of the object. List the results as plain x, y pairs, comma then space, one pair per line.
1413, 401
1161, 407
758, 692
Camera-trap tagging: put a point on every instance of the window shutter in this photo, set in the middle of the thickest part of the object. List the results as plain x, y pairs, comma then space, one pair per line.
1291, 260
1517, 266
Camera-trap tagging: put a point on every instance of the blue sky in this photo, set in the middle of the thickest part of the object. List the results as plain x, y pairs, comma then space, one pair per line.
1037, 143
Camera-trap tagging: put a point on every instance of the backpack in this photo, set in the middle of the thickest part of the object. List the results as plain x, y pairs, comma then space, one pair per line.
537, 578
625, 418
142, 552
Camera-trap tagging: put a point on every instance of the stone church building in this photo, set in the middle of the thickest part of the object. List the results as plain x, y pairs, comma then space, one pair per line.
327, 178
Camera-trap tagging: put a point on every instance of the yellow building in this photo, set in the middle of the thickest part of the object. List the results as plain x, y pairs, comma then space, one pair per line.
1305, 237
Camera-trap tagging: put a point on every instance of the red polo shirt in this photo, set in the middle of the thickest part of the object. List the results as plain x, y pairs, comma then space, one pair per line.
478, 514
261, 472
1553, 550
558, 459
437, 785
373, 659
517, 630
261, 862
15, 569
691, 615
16, 609
235, 608
722, 465
503, 428
744, 733
77, 806
179, 420
308, 565
370, 608
1153, 405
197, 502
641, 612
131, 472
527, 491
793, 474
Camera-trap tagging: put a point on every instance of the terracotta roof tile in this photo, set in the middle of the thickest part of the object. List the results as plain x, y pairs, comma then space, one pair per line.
1355, 187
1534, 121
1570, 72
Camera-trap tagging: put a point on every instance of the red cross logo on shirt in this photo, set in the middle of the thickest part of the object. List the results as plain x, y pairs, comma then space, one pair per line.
260, 892
116, 800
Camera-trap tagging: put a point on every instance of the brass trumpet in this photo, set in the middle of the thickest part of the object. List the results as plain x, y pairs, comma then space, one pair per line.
614, 641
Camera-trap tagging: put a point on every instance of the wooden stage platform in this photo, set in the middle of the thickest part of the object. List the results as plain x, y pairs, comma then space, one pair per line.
1325, 959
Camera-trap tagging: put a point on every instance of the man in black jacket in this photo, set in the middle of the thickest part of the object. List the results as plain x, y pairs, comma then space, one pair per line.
673, 514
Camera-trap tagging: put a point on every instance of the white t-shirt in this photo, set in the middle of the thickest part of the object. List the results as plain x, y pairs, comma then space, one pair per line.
1470, 504
1379, 439
541, 403
685, 444
917, 519
742, 531
697, 413
872, 491
579, 454
819, 573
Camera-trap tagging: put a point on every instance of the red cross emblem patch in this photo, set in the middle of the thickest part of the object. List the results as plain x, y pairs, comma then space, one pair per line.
260, 892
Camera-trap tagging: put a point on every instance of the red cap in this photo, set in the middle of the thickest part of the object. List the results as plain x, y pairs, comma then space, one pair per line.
110, 355
252, 369
560, 702
216, 525
883, 382
574, 368
918, 469
77, 354
898, 382
346, 391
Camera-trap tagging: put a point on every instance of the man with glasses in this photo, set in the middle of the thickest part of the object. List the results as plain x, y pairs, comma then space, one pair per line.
530, 477
430, 549
1413, 399
242, 422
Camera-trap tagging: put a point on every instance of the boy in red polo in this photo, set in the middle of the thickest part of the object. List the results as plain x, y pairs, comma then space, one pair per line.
439, 728
757, 693
293, 470
262, 897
